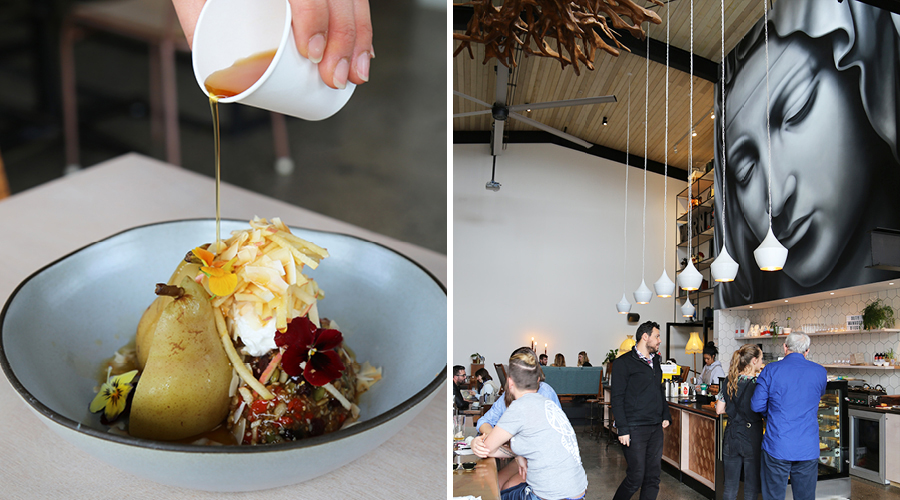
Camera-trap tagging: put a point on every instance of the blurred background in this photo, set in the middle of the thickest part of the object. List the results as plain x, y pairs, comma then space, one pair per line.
379, 163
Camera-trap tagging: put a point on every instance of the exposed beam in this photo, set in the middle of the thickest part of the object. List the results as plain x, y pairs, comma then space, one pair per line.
539, 137
678, 58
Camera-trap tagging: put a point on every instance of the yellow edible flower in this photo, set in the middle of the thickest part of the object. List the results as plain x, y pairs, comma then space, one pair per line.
113, 394
222, 281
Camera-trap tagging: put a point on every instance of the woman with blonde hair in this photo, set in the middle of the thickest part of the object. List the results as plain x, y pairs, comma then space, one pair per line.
545, 448
583, 359
559, 360
742, 443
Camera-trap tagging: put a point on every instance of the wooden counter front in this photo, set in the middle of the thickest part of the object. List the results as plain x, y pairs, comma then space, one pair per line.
689, 443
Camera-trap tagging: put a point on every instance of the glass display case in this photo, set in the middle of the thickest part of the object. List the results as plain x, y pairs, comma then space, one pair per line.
834, 445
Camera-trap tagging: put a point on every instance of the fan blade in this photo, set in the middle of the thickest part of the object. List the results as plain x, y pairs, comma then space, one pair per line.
562, 104
502, 81
547, 128
497, 138
472, 113
476, 101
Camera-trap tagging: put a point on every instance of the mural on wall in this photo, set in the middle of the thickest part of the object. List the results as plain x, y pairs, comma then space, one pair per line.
834, 79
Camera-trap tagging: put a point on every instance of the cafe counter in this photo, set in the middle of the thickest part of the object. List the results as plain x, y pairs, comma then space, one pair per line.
689, 445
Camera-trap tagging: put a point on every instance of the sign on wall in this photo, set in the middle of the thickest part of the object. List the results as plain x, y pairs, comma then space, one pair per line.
833, 80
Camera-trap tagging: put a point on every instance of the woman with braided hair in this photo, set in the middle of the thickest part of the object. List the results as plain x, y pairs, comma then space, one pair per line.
742, 443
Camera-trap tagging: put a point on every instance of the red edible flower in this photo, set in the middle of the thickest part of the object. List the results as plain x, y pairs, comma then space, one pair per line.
307, 343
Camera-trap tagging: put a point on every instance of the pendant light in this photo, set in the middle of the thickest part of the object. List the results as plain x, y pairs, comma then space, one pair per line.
664, 286
624, 307
690, 278
643, 294
724, 268
687, 309
770, 255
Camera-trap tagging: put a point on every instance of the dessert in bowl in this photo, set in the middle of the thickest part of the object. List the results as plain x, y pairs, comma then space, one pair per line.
62, 323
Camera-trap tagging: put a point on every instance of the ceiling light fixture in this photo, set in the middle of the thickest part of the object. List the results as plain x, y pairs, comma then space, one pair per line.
770, 255
712, 116
693, 133
687, 309
724, 268
643, 294
664, 286
624, 306
690, 278
605, 121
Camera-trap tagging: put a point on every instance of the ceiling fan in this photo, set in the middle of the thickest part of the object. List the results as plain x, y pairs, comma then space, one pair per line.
500, 111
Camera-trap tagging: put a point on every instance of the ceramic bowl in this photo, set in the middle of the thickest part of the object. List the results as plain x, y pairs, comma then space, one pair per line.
61, 323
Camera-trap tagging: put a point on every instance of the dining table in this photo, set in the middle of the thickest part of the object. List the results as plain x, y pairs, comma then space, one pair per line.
42, 224
478, 482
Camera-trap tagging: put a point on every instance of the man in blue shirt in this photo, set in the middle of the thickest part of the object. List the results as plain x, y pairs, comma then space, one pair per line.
510, 476
788, 394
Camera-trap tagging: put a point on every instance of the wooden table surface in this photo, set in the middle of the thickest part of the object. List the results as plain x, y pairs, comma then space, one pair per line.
481, 482
43, 224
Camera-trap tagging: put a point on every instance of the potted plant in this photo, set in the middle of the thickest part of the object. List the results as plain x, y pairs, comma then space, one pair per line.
477, 359
610, 357
877, 315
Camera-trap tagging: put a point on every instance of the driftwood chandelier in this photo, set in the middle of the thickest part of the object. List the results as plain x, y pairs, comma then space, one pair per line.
573, 23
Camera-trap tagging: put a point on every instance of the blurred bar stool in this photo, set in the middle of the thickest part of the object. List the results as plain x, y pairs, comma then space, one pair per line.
592, 403
4, 182
155, 23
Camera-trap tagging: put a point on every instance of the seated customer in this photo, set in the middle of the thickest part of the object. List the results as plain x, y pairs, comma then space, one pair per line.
545, 448
509, 475
559, 360
543, 359
459, 377
486, 385
583, 359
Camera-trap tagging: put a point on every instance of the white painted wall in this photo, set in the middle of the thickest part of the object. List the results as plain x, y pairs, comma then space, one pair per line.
543, 257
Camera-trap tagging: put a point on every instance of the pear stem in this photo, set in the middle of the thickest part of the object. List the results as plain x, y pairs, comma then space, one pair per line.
170, 290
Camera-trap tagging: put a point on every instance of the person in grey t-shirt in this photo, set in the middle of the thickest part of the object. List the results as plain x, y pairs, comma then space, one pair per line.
540, 438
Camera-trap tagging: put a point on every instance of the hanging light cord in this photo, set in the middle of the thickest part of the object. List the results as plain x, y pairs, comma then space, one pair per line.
768, 130
627, 167
666, 160
646, 123
722, 118
691, 145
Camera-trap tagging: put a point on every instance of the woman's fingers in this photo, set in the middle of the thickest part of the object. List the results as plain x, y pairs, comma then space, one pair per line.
310, 20
337, 35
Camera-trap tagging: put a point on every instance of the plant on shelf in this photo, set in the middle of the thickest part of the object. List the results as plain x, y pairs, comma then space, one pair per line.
477, 358
877, 315
773, 327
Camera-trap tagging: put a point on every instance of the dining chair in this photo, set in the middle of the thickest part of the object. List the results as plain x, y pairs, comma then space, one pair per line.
595, 402
501, 372
153, 22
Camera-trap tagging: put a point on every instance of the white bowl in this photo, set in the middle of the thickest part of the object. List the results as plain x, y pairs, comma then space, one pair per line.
61, 323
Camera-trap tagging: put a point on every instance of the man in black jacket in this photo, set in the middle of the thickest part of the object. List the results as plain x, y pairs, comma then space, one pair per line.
459, 377
641, 413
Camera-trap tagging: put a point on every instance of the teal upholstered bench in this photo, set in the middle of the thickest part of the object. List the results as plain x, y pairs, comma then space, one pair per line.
576, 380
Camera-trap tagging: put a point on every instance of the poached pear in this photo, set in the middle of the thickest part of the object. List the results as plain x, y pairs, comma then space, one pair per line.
147, 324
183, 390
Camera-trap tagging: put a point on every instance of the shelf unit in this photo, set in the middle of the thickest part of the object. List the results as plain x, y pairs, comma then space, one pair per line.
861, 367
701, 242
824, 334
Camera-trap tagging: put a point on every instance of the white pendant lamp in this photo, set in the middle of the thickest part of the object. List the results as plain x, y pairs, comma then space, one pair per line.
690, 279
624, 307
770, 255
724, 268
664, 286
643, 294
687, 309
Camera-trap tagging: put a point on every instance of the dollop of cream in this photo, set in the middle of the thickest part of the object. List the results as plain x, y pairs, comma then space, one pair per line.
258, 338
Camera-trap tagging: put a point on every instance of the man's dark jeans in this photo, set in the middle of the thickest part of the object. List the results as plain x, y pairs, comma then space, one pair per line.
775, 473
732, 466
644, 457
